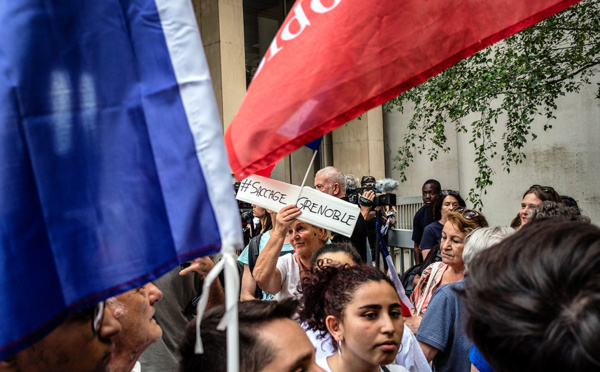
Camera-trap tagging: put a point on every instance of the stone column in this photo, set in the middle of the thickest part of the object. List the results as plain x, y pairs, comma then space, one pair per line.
221, 24
358, 146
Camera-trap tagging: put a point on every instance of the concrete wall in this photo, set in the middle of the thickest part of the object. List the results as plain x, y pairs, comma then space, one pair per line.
565, 157
221, 26
444, 169
358, 146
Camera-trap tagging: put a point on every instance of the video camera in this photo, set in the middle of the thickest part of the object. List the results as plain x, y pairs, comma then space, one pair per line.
369, 183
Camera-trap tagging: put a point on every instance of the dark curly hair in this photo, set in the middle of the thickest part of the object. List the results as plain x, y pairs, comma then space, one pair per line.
328, 290
550, 209
342, 247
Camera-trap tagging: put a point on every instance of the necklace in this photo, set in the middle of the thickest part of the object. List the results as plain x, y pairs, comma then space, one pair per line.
302, 267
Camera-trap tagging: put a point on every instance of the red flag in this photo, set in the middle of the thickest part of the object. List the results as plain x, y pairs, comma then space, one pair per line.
332, 60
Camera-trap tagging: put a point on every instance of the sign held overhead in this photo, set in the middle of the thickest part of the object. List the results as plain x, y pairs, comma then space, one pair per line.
318, 208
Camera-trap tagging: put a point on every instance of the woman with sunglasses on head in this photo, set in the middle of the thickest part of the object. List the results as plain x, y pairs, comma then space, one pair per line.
442, 333
533, 197
359, 308
445, 203
459, 223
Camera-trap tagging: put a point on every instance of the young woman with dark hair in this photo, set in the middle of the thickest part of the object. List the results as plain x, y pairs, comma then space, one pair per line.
264, 217
359, 307
533, 197
410, 355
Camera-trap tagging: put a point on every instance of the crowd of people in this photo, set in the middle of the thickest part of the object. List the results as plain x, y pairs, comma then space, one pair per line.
500, 298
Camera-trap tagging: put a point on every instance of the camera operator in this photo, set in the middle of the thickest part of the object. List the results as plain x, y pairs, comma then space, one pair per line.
365, 196
370, 203
333, 182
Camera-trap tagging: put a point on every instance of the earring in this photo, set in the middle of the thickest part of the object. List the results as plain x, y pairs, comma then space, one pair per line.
340, 348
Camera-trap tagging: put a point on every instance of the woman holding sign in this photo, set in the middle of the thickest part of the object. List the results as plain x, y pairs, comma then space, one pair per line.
281, 275
249, 256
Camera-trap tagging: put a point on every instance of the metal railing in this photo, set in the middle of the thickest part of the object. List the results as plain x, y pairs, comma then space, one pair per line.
400, 238
406, 209
401, 246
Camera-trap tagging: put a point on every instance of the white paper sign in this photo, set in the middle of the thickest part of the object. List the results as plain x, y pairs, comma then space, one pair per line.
327, 211
318, 208
267, 193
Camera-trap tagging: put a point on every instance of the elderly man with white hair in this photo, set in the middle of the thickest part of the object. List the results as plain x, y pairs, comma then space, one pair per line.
333, 182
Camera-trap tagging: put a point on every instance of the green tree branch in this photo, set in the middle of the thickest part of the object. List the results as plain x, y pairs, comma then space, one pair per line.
509, 84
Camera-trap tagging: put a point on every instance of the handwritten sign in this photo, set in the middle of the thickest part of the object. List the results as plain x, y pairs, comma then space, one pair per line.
267, 193
327, 211
318, 208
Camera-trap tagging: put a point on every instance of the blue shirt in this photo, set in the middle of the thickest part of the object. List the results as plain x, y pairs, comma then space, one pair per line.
423, 217
443, 327
432, 235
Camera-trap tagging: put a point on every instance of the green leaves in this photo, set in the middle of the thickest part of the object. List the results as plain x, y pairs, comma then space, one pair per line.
510, 84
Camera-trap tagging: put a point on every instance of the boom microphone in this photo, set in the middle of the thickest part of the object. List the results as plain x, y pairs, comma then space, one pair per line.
386, 184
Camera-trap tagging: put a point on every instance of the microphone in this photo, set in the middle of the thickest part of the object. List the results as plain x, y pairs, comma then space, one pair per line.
386, 184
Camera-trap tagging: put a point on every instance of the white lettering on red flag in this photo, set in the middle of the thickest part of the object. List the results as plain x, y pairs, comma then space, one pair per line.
346, 57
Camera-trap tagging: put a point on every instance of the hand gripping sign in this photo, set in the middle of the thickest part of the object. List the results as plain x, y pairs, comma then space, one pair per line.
318, 208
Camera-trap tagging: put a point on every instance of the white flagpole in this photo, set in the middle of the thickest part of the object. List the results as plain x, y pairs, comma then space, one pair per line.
306, 175
232, 282
308, 170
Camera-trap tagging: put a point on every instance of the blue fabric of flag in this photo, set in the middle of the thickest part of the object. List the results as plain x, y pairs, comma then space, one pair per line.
314, 144
393, 273
100, 186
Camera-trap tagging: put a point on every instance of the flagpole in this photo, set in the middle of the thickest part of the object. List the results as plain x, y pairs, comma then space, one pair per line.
308, 170
231, 301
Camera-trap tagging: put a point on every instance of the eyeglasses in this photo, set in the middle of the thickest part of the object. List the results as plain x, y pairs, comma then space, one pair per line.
469, 214
449, 192
544, 188
96, 312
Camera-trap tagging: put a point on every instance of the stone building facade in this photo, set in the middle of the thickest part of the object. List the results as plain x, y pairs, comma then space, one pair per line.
236, 33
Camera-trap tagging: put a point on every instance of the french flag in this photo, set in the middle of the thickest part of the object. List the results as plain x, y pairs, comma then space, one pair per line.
111, 156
